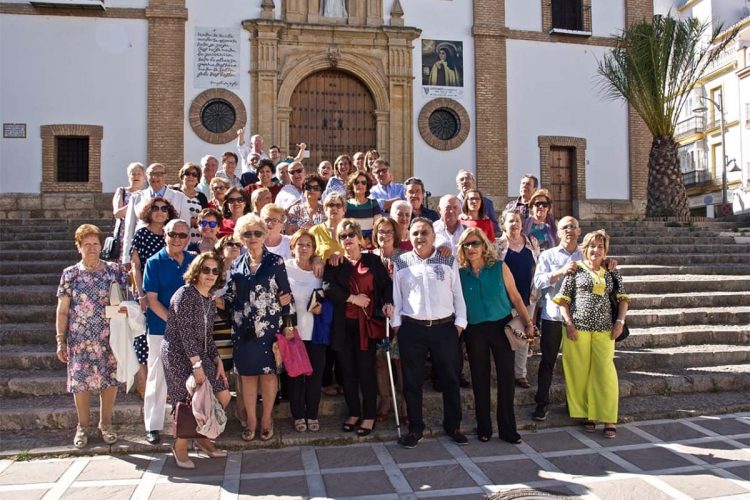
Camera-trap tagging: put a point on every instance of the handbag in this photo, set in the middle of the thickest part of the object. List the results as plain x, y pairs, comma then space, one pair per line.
112, 245
294, 355
316, 298
515, 332
614, 306
184, 425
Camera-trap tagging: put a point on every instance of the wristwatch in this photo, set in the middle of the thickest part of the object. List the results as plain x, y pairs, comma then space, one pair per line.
621, 321
197, 364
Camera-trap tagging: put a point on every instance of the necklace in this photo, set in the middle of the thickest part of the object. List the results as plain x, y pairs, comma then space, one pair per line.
93, 267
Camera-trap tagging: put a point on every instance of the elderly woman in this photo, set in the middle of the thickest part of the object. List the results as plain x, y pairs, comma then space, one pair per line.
401, 212
385, 233
219, 188
162, 277
259, 199
308, 211
259, 296
342, 167
326, 243
190, 176
136, 182
265, 179
536, 226
520, 254
274, 217
360, 207
490, 294
209, 222
360, 289
589, 343
475, 215
304, 391
188, 347
82, 332
236, 204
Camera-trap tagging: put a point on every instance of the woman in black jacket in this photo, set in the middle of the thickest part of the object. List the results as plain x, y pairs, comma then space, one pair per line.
362, 294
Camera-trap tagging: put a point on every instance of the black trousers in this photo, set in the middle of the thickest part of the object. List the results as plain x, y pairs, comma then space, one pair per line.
331, 371
483, 339
550, 344
414, 342
304, 392
358, 373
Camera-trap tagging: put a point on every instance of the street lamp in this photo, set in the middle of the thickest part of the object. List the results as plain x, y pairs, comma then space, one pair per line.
720, 107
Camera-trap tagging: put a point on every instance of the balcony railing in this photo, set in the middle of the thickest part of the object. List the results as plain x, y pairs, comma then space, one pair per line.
690, 126
727, 57
697, 177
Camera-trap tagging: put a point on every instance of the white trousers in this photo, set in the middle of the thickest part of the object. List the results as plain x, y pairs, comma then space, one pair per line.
155, 401
521, 355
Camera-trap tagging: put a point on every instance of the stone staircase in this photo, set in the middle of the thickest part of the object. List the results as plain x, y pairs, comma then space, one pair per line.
689, 350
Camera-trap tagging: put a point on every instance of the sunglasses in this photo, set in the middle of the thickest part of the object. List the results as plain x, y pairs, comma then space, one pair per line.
191, 174
569, 227
217, 188
182, 236
344, 236
541, 204
209, 223
296, 171
162, 208
236, 200
472, 244
313, 188
233, 244
335, 205
210, 270
474, 199
253, 234
360, 183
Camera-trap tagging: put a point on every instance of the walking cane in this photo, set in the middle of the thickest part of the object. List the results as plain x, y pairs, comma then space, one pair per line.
390, 375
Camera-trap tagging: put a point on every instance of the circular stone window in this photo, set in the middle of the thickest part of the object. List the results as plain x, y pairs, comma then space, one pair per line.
444, 124
216, 115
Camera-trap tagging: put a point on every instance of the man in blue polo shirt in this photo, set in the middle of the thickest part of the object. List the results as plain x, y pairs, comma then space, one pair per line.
162, 277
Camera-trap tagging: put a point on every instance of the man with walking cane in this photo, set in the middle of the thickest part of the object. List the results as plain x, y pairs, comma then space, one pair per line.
428, 313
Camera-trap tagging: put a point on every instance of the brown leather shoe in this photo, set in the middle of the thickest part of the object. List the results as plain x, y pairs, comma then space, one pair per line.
522, 382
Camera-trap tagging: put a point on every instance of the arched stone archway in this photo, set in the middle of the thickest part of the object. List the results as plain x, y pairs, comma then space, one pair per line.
284, 54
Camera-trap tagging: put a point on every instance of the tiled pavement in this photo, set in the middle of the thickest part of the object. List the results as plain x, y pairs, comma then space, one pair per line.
701, 457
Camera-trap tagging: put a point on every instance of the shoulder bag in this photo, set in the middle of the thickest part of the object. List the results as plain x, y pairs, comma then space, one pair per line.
614, 305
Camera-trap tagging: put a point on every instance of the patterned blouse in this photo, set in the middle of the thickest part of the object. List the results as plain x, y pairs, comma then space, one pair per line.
299, 216
587, 292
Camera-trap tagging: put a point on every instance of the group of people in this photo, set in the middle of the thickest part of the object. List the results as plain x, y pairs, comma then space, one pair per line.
359, 268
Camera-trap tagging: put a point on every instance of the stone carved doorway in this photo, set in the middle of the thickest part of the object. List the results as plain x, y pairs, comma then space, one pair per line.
333, 112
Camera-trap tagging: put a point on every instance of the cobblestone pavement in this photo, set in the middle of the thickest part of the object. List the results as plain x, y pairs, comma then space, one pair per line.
700, 457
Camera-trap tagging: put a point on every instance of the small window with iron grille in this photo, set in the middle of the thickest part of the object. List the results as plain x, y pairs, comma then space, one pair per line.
72, 159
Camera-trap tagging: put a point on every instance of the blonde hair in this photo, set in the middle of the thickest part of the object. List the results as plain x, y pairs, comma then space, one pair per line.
272, 208
539, 193
593, 237
248, 220
488, 250
218, 180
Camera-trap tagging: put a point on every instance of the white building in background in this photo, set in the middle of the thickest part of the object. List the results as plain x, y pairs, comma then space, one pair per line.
500, 87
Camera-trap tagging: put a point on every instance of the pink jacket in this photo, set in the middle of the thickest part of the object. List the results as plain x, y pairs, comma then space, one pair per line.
208, 412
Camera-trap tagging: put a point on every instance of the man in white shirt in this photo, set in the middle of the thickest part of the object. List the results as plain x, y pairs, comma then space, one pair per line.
156, 173
209, 166
292, 192
428, 314
448, 229
325, 171
228, 170
256, 146
385, 192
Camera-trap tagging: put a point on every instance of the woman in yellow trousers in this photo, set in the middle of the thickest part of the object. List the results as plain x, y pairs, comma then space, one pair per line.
589, 343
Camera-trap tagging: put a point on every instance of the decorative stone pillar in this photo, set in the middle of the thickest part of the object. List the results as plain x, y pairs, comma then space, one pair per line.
264, 78
374, 12
283, 115
267, 8
397, 14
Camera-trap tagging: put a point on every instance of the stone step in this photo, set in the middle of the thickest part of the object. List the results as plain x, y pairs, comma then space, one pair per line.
27, 333
689, 316
692, 239
31, 268
671, 336
29, 357
674, 259
596, 224
654, 232
687, 356
686, 283
52, 279
68, 255
18, 382
29, 294
664, 270
624, 247
35, 244
35, 221
27, 314
63, 237
681, 300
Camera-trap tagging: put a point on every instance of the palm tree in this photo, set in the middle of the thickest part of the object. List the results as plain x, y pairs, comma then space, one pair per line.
653, 66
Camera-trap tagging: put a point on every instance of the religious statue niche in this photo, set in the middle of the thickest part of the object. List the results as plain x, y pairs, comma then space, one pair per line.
334, 8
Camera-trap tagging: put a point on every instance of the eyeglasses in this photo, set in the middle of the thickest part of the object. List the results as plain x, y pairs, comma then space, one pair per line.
475, 198
541, 204
234, 201
233, 244
209, 223
313, 187
296, 171
360, 182
569, 227
157, 208
182, 236
210, 270
344, 236
335, 205
270, 220
385, 232
420, 233
253, 234
472, 244
381, 171
191, 174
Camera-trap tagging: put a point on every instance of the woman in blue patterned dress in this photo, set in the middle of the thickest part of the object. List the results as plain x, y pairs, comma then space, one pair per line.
82, 332
259, 294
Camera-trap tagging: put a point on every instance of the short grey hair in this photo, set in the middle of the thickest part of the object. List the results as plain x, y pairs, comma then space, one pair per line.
445, 199
248, 220
398, 204
280, 166
171, 225
462, 171
204, 160
135, 165
153, 166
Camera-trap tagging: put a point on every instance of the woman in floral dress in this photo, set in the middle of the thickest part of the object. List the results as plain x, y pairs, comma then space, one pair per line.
82, 332
259, 294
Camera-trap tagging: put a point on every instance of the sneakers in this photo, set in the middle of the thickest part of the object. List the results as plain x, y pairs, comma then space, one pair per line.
459, 437
410, 440
540, 413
